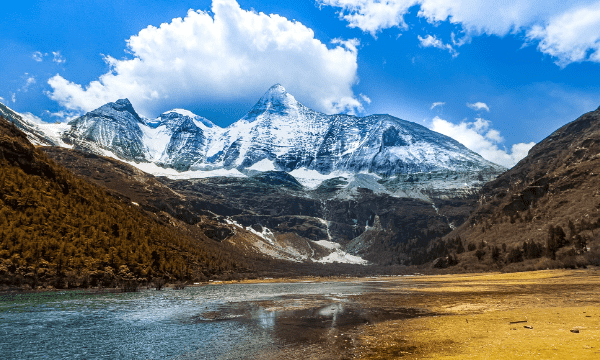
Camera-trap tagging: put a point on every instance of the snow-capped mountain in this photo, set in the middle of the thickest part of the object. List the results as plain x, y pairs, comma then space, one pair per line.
278, 133
296, 177
114, 127
178, 139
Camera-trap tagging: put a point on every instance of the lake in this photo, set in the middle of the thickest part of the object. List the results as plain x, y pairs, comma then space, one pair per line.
227, 321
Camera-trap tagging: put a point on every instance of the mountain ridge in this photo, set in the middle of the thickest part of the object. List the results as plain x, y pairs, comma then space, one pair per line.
278, 133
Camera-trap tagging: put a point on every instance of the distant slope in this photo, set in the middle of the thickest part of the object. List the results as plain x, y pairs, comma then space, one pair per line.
557, 184
57, 229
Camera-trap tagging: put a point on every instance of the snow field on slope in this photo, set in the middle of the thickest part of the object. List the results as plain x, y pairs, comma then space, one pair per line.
263, 165
156, 140
54, 132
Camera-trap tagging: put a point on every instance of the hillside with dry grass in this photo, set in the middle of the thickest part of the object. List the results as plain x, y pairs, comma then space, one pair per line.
545, 211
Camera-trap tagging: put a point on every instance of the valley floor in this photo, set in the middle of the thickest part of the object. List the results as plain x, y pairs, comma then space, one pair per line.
552, 314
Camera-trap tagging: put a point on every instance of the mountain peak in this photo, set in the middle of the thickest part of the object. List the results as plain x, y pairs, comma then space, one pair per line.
123, 102
178, 113
181, 112
277, 88
276, 94
121, 105
276, 100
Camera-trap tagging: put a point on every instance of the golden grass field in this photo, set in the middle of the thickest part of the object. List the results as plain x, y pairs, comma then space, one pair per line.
531, 315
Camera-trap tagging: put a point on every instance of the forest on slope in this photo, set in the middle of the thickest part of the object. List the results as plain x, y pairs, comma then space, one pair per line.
58, 230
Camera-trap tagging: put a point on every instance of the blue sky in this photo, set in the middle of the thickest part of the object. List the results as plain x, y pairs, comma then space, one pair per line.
495, 76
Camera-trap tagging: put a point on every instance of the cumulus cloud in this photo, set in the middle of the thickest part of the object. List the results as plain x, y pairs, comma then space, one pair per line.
228, 55
436, 104
571, 37
479, 106
566, 30
432, 41
58, 58
38, 56
479, 137
13, 97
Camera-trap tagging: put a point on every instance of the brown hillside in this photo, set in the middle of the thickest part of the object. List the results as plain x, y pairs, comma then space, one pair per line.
57, 229
556, 185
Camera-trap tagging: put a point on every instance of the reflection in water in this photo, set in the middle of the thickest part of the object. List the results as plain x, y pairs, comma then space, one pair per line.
236, 321
266, 319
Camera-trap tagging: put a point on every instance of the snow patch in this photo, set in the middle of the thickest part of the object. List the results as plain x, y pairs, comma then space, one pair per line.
265, 234
173, 174
156, 139
338, 255
263, 165
312, 178
328, 244
55, 131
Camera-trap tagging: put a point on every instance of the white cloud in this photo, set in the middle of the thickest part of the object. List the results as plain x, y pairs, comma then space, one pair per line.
436, 104
432, 41
566, 30
13, 97
372, 16
37, 56
2, 99
350, 44
228, 55
573, 36
478, 137
481, 125
460, 42
30, 80
479, 106
365, 98
58, 58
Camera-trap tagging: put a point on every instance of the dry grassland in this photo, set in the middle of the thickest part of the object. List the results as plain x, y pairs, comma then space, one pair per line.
533, 315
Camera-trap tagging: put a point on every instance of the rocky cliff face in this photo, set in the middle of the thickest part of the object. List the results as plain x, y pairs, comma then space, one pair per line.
186, 136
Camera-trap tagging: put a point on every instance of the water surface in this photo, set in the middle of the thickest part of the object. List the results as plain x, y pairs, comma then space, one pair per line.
233, 321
